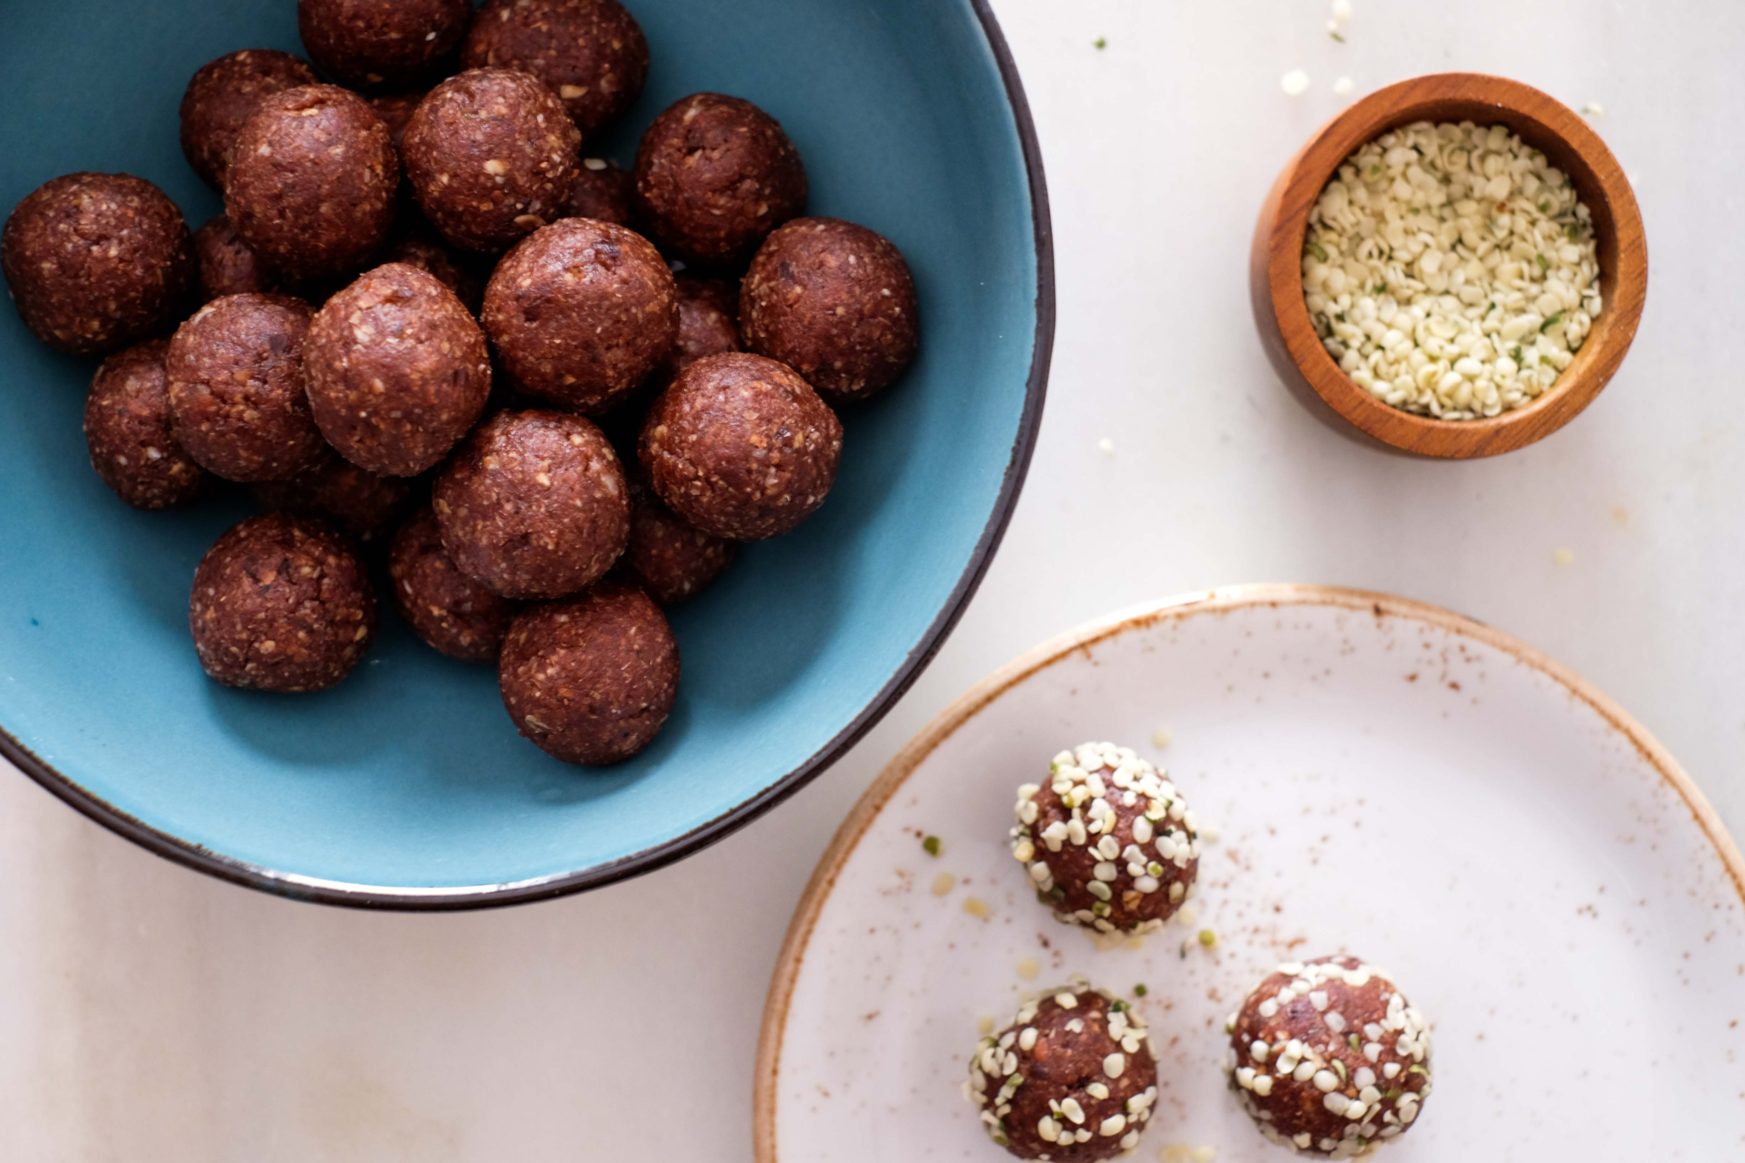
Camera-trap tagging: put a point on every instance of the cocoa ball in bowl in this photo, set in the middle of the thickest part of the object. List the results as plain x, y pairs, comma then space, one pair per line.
534, 506
96, 261
222, 94
580, 312
835, 302
714, 175
370, 43
491, 157
591, 53
311, 181
396, 370
281, 603
407, 784
238, 401
741, 447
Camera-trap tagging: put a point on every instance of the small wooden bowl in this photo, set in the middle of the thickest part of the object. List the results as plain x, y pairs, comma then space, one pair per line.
1276, 263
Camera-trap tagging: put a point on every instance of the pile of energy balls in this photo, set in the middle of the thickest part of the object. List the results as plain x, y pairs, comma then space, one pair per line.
428, 319
1326, 1056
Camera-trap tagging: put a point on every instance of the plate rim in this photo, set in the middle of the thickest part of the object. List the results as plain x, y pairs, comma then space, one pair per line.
411, 898
1027, 665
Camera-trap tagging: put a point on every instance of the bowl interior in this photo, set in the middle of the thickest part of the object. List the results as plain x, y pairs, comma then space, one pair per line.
409, 775
1568, 144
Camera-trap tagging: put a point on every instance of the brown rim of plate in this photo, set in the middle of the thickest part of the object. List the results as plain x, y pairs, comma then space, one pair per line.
1029, 664
416, 899
1543, 122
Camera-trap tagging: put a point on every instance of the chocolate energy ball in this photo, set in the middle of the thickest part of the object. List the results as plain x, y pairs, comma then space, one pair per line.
381, 42
535, 505
127, 428
1073, 1079
312, 181
590, 52
714, 175
602, 191
591, 680
670, 559
450, 611
359, 503
397, 370
1108, 841
222, 94
420, 249
311, 184
227, 265
580, 311
491, 156
281, 603
237, 399
395, 110
1328, 1057
741, 447
708, 316
708, 320
835, 302
95, 262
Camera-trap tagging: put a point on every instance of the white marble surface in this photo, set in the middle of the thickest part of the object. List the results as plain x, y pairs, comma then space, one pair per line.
147, 1013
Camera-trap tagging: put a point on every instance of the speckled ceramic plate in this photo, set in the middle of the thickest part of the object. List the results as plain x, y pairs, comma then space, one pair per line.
1383, 778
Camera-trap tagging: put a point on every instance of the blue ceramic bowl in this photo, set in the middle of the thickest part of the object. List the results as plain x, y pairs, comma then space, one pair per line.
407, 786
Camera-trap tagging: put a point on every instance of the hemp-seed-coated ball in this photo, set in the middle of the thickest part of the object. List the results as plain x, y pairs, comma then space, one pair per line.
1107, 840
312, 182
669, 558
591, 53
127, 428
741, 447
714, 175
281, 603
227, 265
491, 156
535, 505
95, 262
1328, 1057
237, 396
450, 611
580, 312
602, 191
1072, 1079
397, 370
835, 302
365, 43
358, 503
591, 680
221, 95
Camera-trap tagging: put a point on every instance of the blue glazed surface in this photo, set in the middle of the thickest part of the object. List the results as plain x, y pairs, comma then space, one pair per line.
409, 775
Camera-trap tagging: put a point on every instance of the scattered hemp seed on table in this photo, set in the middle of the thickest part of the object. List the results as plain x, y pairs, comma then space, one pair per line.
932, 845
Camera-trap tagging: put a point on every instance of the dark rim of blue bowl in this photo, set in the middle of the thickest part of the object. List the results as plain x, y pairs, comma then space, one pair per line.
299, 887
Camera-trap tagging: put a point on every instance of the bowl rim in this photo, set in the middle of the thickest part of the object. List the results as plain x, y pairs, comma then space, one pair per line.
1277, 269
452, 898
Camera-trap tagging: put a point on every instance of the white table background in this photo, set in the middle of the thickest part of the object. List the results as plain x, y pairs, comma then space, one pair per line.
148, 1013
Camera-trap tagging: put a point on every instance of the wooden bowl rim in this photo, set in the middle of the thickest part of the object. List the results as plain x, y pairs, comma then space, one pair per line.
1400, 104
